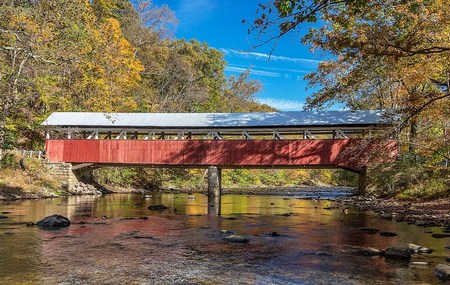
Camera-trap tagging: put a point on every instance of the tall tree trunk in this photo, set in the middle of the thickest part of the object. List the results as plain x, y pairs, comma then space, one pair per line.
412, 135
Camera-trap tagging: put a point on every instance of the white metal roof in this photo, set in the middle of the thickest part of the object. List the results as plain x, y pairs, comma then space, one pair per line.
216, 120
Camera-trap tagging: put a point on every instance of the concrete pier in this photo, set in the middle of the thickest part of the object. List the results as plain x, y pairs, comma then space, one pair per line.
362, 181
214, 190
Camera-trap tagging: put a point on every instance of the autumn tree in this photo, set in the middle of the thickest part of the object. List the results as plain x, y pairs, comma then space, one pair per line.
386, 54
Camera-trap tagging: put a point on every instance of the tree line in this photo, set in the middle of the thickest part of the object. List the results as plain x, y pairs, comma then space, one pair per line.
105, 56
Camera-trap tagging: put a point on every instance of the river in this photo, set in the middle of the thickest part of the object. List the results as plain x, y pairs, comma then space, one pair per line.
115, 239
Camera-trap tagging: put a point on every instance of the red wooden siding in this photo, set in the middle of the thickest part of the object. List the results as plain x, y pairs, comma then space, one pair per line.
226, 153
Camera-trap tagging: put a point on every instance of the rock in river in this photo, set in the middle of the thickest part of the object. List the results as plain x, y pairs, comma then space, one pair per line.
236, 239
398, 252
425, 250
368, 251
414, 248
53, 222
388, 234
159, 207
440, 235
369, 231
442, 271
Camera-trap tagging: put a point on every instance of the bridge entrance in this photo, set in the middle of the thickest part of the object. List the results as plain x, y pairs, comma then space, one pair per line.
326, 139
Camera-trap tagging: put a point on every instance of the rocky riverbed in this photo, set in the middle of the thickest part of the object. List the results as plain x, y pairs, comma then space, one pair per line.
259, 239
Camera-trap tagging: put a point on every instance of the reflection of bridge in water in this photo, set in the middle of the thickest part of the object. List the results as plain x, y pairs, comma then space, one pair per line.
326, 139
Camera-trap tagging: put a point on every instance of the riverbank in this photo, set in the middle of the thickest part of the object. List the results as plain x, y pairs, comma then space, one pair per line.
31, 184
425, 213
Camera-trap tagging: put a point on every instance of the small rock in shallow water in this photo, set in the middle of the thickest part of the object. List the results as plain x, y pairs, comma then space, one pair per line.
274, 234
386, 216
370, 251
369, 231
3, 217
29, 224
420, 223
398, 252
442, 271
388, 234
440, 235
159, 207
425, 250
226, 232
420, 263
53, 222
414, 247
236, 239
447, 259
144, 237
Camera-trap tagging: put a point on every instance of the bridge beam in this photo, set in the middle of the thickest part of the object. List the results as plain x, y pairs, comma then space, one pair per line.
214, 190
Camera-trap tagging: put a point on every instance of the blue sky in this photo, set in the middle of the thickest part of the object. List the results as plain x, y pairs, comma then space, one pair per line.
219, 24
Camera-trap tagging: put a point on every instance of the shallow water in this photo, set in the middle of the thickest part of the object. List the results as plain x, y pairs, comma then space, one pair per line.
183, 245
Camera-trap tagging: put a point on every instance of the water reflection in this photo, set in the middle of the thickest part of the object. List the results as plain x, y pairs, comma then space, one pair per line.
111, 243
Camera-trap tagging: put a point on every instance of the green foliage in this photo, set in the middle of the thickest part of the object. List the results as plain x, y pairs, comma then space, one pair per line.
410, 177
9, 160
345, 178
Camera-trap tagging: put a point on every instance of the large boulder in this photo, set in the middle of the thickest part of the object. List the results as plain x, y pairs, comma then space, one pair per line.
398, 252
442, 271
53, 222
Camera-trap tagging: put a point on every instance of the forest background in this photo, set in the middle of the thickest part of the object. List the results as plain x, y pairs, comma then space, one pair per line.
113, 56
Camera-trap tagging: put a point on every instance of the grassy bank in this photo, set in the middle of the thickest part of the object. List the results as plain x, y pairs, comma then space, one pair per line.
22, 178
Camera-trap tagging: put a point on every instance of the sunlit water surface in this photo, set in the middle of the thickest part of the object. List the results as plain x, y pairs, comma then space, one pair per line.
183, 245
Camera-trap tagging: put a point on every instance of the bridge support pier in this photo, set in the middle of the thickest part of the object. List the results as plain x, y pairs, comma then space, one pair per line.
362, 181
214, 190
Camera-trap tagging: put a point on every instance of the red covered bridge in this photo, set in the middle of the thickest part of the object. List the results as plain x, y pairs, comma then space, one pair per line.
325, 139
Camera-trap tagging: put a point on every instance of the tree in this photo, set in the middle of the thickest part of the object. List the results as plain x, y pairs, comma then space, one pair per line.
239, 95
387, 54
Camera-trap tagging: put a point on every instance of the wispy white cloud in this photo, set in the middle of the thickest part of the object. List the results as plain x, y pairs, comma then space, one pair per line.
282, 104
277, 69
265, 56
253, 71
195, 10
